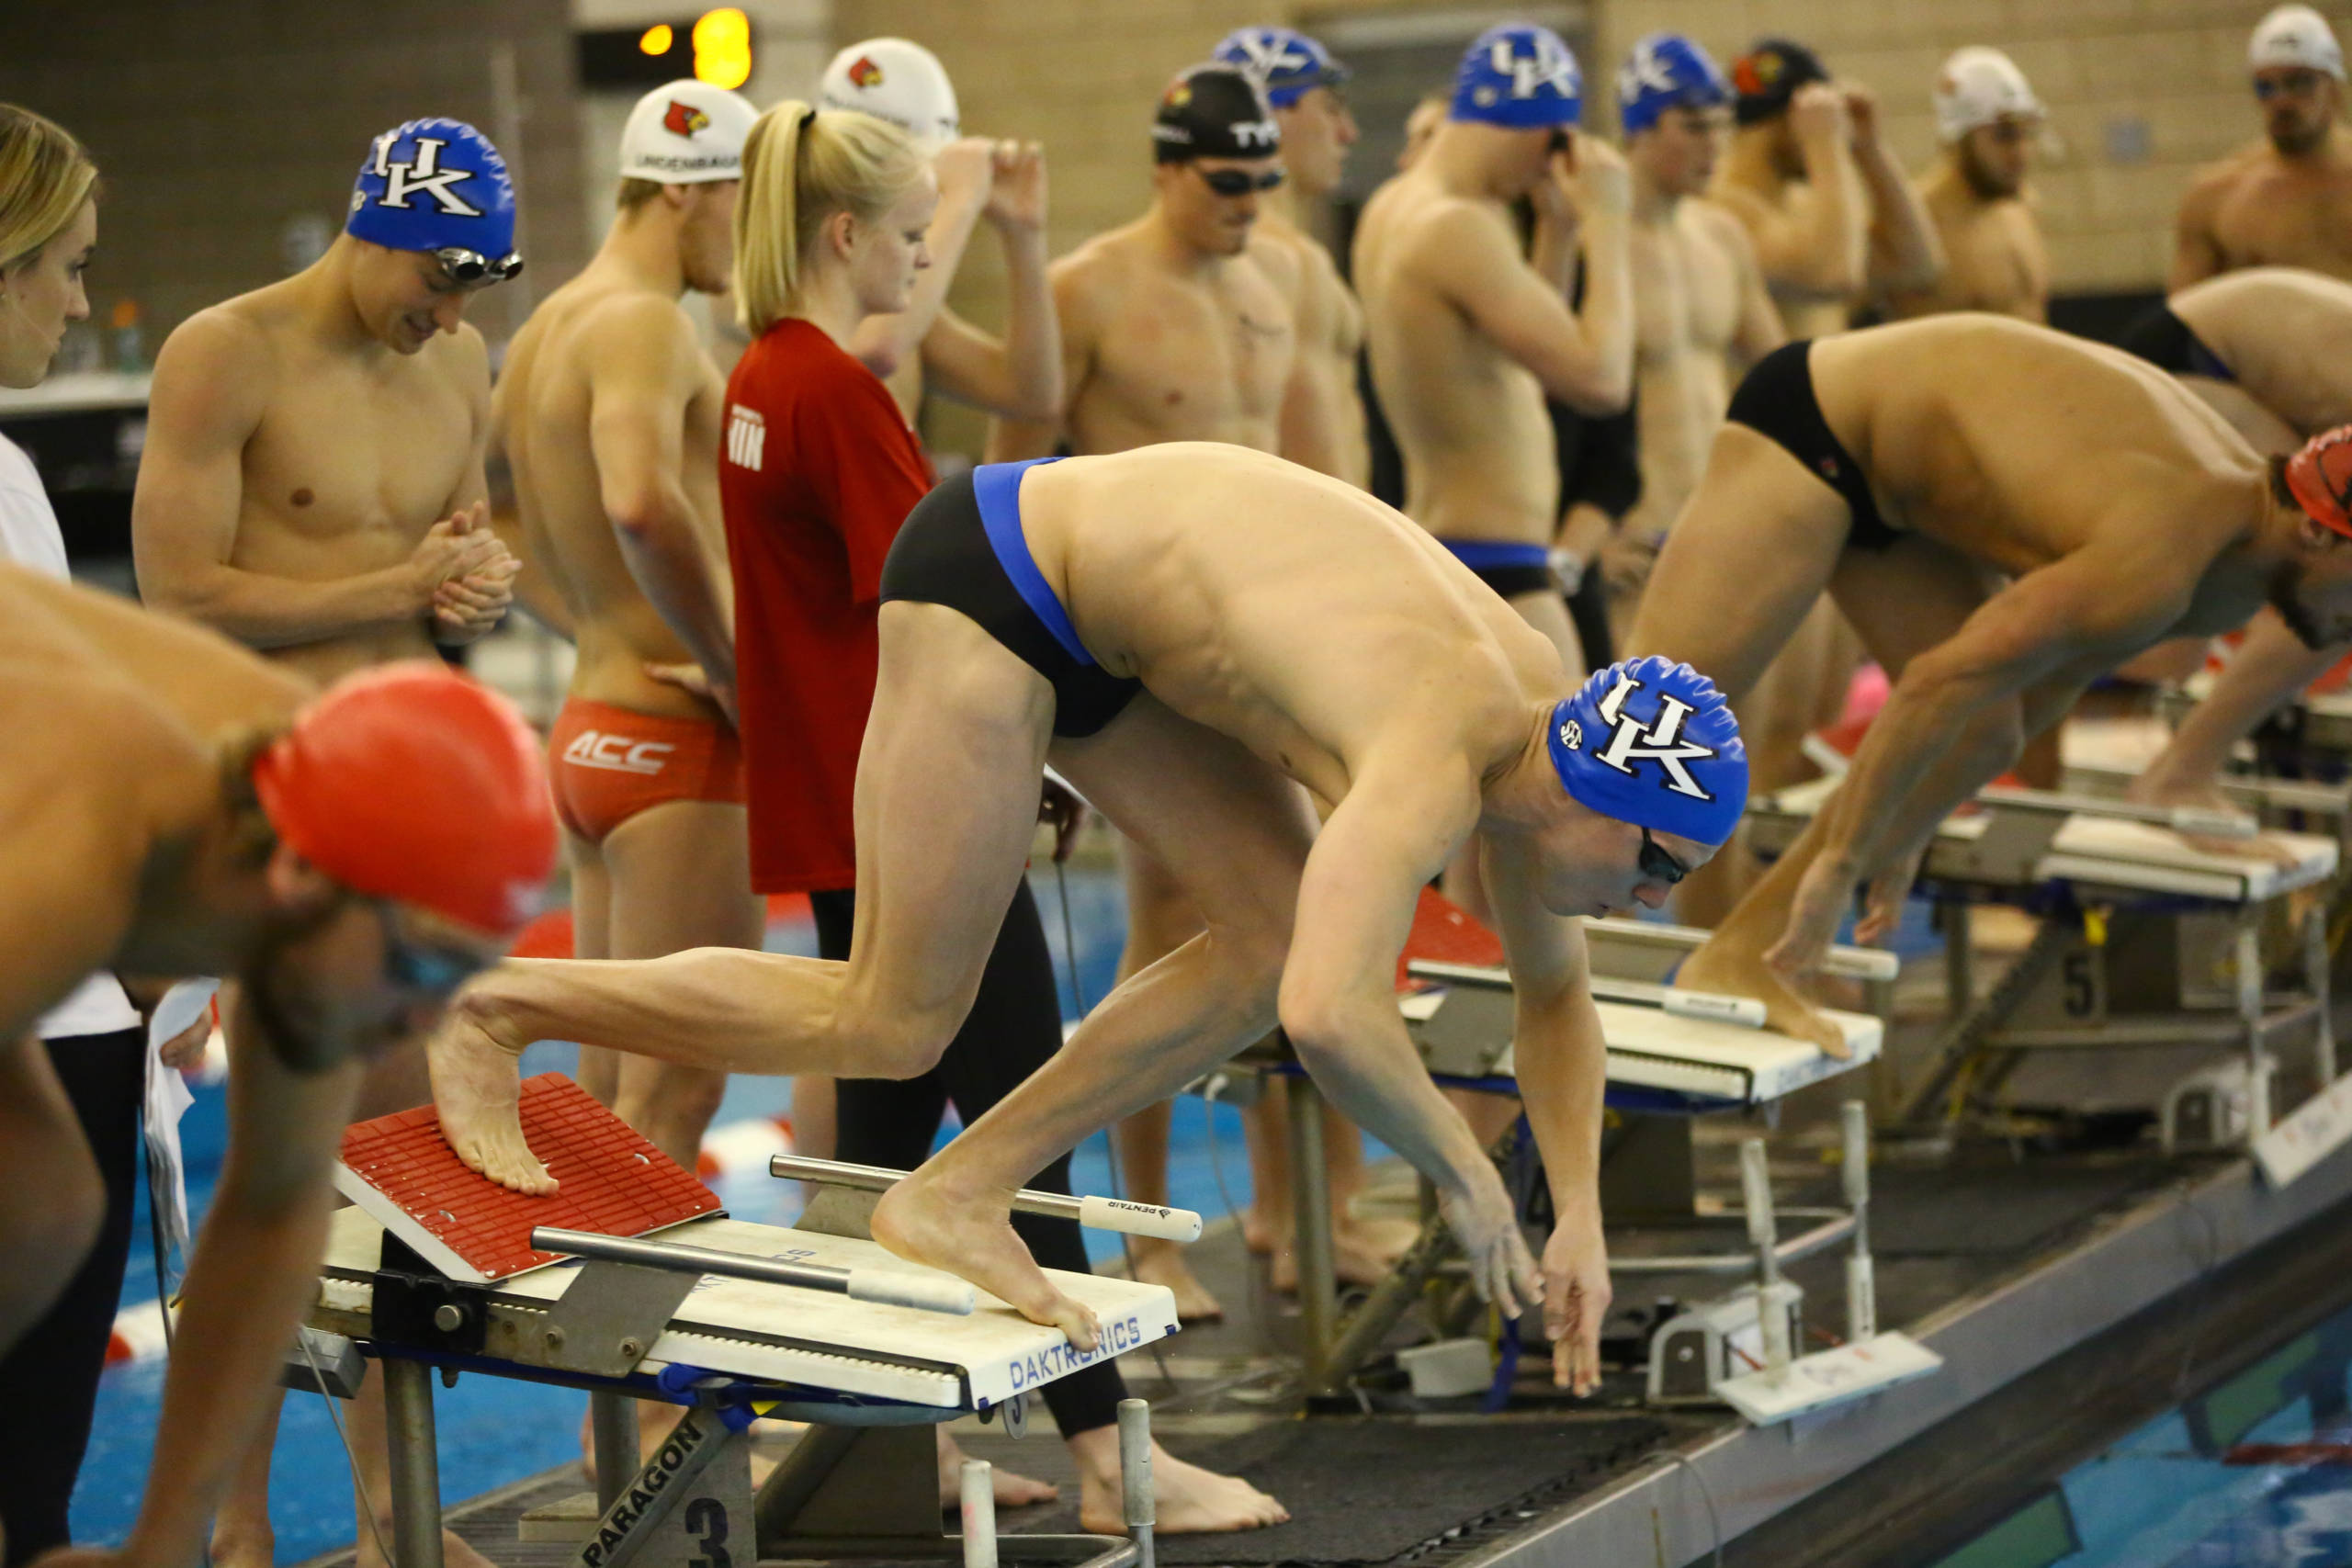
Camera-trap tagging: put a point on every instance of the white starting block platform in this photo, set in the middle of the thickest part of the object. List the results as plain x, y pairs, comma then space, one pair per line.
794, 1339
628, 1282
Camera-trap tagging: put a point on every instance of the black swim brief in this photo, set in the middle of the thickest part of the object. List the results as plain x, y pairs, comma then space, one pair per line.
961, 547
1775, 399
2169, 343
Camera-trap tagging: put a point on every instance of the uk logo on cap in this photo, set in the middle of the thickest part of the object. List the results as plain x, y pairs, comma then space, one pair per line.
1630, 741
431, 184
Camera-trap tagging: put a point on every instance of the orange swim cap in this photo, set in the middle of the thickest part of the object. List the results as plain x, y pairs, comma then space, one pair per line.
411, 783
2320, 477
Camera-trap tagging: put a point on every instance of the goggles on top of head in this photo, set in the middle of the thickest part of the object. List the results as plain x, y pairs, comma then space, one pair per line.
1658, 863
1238, 182
464, 266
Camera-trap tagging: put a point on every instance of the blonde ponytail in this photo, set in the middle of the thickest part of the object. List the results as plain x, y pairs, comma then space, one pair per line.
45, 177
800, 166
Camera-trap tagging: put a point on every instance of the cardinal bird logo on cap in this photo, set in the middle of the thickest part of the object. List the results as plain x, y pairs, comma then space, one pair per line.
1754, 74
865, 74
684, 119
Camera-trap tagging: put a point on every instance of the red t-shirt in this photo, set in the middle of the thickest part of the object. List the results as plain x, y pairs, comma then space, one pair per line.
817, 471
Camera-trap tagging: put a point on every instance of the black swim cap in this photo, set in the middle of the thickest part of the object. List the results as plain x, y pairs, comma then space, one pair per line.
1769, 75
1214, 111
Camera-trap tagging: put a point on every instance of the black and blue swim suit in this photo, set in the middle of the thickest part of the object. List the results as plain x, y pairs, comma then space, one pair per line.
1505, 567
961, 547
1777, 399
2172, 345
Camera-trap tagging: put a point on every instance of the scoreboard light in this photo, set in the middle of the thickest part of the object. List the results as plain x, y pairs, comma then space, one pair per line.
715, 47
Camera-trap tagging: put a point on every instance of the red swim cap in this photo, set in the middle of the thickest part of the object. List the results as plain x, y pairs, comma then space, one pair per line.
411, 783
2320, 477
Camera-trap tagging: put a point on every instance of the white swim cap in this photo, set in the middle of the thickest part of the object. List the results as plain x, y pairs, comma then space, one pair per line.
1979, 86
684, 133
897, 80
2296, 36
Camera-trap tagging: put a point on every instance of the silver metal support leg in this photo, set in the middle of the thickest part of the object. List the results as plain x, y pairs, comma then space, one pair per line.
979, 1499
1756, 1183
2246, 961
1862, 1286
612, 1424
416, 1465
1310, 1184
1960, 958
2315, 980
1135, 1478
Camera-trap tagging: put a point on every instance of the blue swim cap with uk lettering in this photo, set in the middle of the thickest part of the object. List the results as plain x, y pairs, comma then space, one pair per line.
434, 185
1652, 742
1667, 71
1285, 61
1519, 76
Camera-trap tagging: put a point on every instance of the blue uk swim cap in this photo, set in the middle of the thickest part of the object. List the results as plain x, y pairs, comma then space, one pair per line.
1519, 76
1665, 71
1285, 61
1652, 742
433, 184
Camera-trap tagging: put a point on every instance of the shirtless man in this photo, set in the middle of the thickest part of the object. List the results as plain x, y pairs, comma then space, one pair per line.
1198, 621
178, 810
1469, 336
2286, 200
2268, 347
927, 347
1987, 116
1179, 326
313, 486
1700, 311
2123, 509
608, 414
1323, 419
1834, 218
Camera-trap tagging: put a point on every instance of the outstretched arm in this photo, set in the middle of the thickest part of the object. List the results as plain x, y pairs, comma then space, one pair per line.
1339, 1004
1561, 1060
1956, 716
1019, 376
884, 342
256, 1268
1906, 254
1010, 439
2273, 665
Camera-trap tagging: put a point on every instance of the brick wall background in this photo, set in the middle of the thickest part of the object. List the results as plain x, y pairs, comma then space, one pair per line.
218, 121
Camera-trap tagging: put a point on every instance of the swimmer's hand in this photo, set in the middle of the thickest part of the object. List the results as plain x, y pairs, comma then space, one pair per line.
1576, 1299
1065, 813
693, 678
466, 607
1822, 899
967, 168
1861, 114
1817, 113
460, 543
1593, 177
1883, 900
1017, 194
1485, 1227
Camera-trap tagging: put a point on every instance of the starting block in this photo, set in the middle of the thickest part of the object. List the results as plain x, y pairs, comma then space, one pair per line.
1671, 1055
630, 1283
2144, 941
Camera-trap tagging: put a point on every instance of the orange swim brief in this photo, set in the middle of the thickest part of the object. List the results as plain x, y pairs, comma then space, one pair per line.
607, 764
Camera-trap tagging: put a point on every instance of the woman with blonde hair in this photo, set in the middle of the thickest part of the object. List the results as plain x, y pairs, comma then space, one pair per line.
94, 1042
817, 470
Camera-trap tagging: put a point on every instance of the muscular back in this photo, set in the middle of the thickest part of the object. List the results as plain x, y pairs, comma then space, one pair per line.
1469, 420
1311, 641
2285, 334
1164, 355
546, 408
2017, 445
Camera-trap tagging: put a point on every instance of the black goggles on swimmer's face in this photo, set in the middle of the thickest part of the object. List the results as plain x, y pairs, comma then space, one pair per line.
1238, 182
415, 965
465, 267
1658, 865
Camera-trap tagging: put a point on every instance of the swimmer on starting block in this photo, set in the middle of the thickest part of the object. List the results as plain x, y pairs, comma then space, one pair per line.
179, 809
1175, 629
2125, 510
